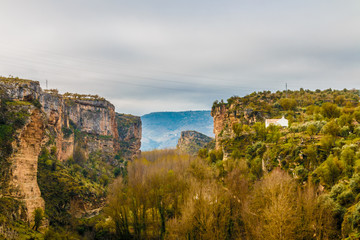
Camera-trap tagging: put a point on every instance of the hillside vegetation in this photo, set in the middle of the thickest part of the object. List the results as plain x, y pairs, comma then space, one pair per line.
298, 182
169, 195
320, 148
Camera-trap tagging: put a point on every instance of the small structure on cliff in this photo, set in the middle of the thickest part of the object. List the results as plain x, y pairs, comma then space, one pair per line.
283, 122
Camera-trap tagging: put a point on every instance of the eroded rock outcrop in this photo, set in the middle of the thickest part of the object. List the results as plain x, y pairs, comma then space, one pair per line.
129, 128
192, 141
94, 117
226, 116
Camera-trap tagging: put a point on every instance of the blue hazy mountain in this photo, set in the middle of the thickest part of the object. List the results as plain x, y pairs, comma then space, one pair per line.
162, 129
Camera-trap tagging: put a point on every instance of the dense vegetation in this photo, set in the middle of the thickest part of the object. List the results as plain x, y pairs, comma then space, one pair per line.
168, 195
76, 96
320, 148
300, 182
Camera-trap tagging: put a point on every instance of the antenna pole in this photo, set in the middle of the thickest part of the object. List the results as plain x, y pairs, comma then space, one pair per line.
286, 89
46, 84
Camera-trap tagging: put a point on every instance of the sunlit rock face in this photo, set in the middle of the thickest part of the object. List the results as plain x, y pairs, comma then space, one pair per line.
62, 122
94, 117
225, 116
23, 178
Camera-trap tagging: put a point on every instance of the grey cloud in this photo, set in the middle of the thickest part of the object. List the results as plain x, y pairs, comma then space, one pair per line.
178, 55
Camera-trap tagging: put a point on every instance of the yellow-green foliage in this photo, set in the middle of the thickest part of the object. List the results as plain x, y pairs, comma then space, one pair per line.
153, 191
321, 145
18, 103
76, 96
168, 195
16, 80
52, 91
77, 178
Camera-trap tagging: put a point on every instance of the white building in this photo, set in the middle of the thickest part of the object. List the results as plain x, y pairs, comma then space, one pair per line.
279, 122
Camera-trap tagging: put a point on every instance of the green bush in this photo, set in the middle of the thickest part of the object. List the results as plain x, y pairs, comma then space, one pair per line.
330, 110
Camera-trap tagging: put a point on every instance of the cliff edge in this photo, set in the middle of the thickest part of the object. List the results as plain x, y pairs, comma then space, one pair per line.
33, 120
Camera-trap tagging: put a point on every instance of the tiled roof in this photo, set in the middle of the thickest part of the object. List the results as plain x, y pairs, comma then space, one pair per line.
272, 120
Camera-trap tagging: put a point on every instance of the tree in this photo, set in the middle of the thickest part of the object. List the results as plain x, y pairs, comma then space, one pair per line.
311, 130
141, 205
331, 128
260, 131
38, 218
339, 100
272, 210
79, 155
278, 209
118, 209
330, 110
329, 171
288, 104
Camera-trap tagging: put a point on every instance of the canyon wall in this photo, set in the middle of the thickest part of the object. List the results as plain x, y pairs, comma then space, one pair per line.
129, 128
92, 117
23, 177
62, 122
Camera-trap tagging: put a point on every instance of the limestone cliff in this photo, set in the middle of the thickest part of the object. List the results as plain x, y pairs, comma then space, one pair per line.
226, 116
23, 181
191, 142
129, 128
94, 117
26, 144
63, 123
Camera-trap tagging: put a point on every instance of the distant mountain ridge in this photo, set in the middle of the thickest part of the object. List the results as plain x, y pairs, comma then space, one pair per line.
162, 129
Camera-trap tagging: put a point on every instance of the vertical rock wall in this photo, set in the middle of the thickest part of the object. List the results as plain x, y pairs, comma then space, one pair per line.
64, 121
23, 181
225, 116
129, 128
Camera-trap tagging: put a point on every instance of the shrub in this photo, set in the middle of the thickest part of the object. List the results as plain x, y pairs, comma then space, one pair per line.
288, 104
345, 198
330, 110
38, 218
331, 128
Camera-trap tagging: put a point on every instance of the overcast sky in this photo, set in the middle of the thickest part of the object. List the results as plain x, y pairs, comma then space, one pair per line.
172, 55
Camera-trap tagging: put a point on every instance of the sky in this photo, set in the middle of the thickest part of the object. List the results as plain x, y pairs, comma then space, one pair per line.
159, 55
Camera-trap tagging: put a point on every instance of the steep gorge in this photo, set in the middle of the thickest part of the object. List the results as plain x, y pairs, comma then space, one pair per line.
61, 124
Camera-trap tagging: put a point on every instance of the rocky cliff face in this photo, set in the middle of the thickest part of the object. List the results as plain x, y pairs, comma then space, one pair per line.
92, 116
191, 142
60, 122
129, 128
23, 178
226, 116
